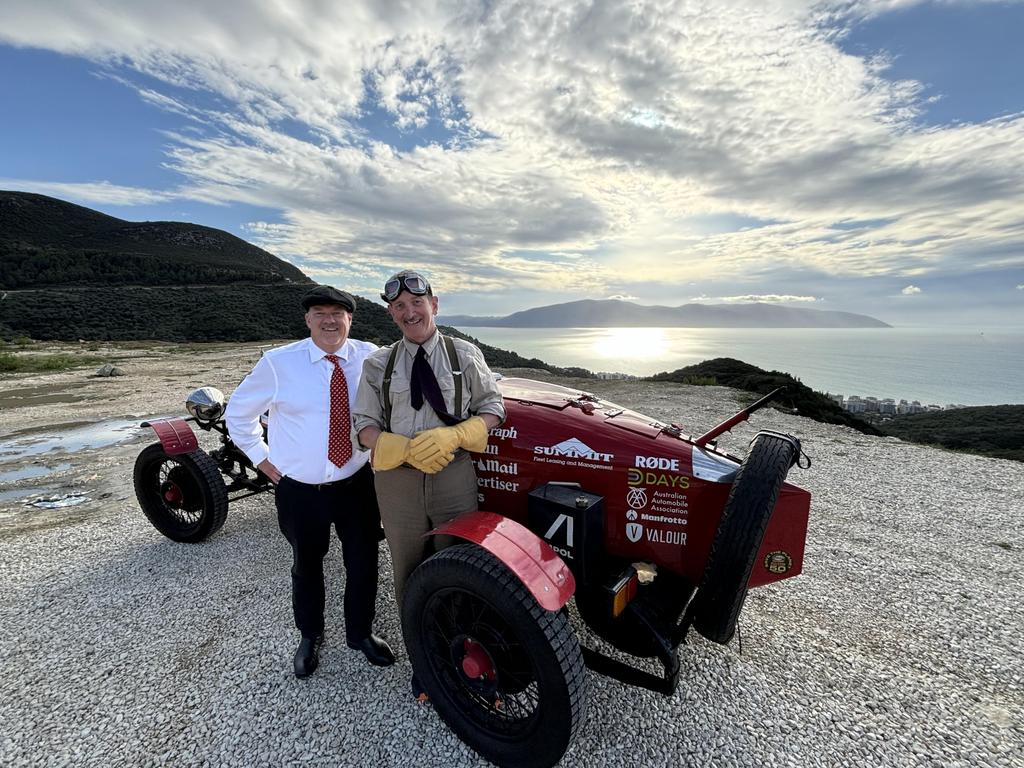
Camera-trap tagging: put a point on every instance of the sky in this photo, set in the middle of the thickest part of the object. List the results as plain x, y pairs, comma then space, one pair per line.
855, 155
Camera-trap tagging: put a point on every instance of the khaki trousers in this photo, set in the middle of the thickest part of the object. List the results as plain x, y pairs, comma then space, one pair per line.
412, 503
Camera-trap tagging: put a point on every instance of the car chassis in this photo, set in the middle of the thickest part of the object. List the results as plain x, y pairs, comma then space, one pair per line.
652, 531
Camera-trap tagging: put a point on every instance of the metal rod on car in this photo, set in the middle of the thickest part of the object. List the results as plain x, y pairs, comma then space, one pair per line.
732, 421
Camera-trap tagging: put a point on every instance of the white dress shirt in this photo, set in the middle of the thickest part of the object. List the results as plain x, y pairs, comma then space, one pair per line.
294, 383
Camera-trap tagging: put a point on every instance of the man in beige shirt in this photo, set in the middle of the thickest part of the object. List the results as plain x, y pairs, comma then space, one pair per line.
422, 404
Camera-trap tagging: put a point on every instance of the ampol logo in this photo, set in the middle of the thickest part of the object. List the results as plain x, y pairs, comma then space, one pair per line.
634, 531
573, 448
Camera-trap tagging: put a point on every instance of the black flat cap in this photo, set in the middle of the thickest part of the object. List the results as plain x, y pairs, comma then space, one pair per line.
325, 294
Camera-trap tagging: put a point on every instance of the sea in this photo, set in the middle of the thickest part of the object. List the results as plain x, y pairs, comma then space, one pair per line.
935, 366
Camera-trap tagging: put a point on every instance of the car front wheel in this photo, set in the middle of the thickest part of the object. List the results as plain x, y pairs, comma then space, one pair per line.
506, 675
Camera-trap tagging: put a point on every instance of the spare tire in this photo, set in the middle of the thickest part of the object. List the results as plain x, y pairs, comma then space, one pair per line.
755, 489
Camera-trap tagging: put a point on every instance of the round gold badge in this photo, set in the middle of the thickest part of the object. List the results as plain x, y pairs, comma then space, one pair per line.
778, 561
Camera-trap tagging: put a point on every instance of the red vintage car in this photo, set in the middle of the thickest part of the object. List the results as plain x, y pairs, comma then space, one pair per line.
652, 532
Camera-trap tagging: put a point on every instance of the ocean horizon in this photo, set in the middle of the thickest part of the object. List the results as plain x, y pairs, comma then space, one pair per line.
940, 366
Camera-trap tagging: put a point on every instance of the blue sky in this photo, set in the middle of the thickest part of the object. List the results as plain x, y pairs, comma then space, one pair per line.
861, 155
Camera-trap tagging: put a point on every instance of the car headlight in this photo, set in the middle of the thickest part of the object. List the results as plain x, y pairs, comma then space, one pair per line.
206, 404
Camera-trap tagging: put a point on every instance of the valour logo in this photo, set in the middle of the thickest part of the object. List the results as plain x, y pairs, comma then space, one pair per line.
634, 531
573, 448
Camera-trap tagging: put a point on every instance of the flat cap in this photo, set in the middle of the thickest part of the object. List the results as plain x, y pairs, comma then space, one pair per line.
325, 294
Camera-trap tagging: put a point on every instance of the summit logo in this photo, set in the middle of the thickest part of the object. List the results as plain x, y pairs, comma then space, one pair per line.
573, 448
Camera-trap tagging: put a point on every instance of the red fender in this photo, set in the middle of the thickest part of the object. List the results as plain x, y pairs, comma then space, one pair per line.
176, 436
527, 555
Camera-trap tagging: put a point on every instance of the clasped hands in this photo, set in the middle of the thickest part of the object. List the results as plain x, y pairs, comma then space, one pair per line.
431, 450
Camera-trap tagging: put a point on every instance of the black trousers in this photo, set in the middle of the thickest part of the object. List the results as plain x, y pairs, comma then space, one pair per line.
305, 513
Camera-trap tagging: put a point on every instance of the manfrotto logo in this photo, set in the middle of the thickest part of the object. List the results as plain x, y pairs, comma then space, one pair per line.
573, 448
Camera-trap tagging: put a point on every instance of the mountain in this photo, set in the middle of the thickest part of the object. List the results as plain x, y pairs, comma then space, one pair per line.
45, 242
615, 313
69, 272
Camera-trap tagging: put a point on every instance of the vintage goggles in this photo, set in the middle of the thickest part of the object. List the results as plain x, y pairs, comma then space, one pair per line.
412, 282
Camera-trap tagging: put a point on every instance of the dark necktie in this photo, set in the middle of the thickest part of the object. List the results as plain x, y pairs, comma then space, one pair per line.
339, 441
423, 384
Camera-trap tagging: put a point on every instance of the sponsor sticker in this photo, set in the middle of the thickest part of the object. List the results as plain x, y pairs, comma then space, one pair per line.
666, 537
636, 498
497, 467
497, 484
504, 433
657, 462
657, 479
634, 531
573, 453
778, 561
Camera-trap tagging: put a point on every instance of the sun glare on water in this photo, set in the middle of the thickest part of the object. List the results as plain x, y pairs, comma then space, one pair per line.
630, 344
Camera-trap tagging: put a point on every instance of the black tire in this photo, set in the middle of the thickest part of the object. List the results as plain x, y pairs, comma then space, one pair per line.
527, 699
723, 588
183, 496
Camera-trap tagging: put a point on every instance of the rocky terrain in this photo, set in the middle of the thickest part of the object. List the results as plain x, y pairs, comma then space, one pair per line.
900, 645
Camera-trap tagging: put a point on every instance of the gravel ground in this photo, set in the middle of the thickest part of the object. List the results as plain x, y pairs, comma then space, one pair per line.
898, 646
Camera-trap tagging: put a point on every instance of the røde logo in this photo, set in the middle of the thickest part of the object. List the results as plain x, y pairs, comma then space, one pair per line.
657, 462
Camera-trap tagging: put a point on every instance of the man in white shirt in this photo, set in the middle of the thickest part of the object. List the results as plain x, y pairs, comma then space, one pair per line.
321, 474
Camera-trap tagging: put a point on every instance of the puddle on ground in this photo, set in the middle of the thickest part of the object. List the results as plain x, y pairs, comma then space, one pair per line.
32, 471
17, 398
59, 501
98, 435
18, 494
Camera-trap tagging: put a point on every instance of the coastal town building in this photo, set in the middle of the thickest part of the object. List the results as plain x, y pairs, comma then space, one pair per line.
887, 406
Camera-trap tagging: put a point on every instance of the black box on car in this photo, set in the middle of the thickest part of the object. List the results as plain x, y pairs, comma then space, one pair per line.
571, 520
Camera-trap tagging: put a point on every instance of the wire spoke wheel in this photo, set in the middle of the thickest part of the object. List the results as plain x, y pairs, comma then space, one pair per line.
506, 675
183, 496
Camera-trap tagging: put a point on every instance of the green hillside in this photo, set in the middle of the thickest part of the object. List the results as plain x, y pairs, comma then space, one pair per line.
727, 372
46, 242
989, 430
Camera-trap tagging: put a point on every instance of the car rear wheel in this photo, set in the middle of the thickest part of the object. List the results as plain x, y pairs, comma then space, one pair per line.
183, 496
723, 589
506, 675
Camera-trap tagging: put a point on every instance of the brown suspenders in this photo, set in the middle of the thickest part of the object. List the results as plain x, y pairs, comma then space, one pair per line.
389, 369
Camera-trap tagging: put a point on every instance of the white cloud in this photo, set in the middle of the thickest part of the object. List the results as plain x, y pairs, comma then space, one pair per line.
1020, 287
593, 132
911, 290
95, 193
767, 298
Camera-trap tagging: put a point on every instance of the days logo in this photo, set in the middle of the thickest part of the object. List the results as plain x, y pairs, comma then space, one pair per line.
778, 561
657, 462
573, 448
678, 482
634, 531
636, 498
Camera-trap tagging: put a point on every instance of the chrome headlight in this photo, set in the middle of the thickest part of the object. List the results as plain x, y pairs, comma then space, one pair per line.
206, 404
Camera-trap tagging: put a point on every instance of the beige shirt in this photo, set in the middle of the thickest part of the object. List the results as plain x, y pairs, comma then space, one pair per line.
480, 392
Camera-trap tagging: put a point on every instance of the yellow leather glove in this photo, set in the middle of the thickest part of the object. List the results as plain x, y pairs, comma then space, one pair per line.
432, 464
470, 434
390, 451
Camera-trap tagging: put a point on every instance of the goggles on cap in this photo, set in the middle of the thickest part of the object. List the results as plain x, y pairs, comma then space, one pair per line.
415, 284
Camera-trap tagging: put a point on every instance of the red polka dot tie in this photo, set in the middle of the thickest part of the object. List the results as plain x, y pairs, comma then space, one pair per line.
339, 440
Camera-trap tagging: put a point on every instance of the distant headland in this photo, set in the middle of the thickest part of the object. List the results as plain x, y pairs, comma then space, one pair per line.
616, 313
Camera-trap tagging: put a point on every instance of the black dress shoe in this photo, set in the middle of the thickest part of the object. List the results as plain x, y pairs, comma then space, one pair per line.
307, 655
376, 650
